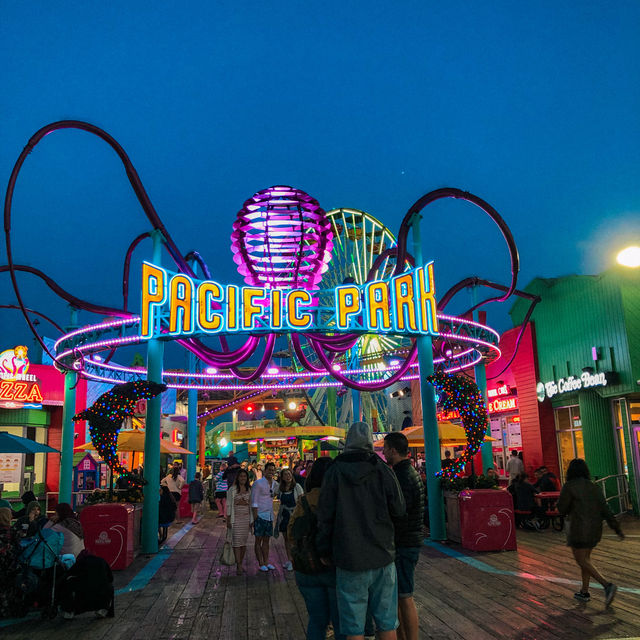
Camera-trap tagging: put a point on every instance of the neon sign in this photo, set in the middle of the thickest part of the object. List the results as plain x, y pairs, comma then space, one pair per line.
498, 406
569, 384
174, 304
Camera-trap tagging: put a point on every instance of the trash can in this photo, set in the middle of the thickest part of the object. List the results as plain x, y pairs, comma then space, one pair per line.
110, 532
184, 508
486, 520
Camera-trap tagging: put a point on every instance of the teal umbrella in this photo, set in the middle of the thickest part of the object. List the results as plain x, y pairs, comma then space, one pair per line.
15, 444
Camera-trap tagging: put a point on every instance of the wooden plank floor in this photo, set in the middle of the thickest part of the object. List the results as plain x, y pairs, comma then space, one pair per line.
460, 595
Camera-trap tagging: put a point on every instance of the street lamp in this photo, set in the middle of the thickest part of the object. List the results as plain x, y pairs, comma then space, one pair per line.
629, 257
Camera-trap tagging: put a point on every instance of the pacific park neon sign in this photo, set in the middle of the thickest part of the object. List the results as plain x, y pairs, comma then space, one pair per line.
176, 304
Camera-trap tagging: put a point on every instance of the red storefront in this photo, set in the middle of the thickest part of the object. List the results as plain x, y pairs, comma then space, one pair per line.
518, 420
31, 400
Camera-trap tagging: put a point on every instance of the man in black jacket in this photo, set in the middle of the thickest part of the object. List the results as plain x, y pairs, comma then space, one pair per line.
359, 501
408, 533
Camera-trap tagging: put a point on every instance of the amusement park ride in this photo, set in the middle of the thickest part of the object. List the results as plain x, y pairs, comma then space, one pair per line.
350, 305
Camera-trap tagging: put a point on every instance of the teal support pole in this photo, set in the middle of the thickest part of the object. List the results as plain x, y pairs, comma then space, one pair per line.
192, 416
355, 405
437, 529
332, 409
68, 411
192, 425
155, 355
481, 380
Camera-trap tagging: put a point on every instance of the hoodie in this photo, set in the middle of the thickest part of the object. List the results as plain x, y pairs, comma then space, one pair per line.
359, 501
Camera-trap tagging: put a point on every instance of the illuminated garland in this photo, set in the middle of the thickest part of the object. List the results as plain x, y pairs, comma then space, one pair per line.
462, 394
106, 414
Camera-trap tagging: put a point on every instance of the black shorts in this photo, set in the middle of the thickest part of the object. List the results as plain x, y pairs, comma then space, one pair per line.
221, 495
406, 561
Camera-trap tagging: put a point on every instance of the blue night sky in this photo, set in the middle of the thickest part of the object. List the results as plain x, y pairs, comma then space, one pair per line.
534, 107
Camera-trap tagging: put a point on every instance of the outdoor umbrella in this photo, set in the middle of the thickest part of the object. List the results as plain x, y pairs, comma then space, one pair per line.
449, 434
15, 444
134, 441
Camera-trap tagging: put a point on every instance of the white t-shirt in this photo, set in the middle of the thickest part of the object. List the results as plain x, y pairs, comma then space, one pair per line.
262, 497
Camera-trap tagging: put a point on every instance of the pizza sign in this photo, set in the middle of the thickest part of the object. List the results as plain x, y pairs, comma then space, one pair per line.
18, 387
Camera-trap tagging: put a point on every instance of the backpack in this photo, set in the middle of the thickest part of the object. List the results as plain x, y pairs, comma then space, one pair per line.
304, 556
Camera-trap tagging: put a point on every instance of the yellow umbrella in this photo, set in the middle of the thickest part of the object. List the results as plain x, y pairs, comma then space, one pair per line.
450, 434
134, 441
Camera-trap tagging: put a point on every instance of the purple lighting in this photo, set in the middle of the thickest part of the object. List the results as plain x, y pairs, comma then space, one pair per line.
282, 239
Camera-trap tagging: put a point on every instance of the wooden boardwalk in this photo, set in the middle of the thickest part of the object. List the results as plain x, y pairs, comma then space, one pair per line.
474, 596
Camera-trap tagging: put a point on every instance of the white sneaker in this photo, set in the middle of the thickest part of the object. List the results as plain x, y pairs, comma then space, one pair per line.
288, 566
68, 615
270, 567
263, 567
101, 613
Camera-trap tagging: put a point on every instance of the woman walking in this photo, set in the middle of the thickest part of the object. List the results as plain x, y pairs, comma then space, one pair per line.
166, 513
583, 503
239, 516
196, 496
174, 481
318, 588
221, 490
288, 493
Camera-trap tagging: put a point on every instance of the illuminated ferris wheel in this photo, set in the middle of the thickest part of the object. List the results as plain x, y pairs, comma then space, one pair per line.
360, 243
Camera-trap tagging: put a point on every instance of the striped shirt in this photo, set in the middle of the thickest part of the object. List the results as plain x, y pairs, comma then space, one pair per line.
221, 485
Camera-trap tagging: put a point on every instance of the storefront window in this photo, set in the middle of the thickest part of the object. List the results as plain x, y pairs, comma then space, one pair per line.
569, 435
618, 423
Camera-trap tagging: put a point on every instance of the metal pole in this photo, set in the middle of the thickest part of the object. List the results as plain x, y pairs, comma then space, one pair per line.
331, 406
68, 411
429, 420
481, 380
155, 355
192, 414
355, 405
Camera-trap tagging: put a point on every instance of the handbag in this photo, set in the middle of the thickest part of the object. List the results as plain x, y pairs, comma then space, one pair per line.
227, 556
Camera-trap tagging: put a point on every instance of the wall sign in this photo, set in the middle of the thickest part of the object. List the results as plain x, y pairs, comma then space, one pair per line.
500, 405
402, 305
18, 388
571, 383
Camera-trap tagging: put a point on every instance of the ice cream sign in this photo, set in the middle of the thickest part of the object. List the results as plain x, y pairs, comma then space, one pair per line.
572, 383
18, 388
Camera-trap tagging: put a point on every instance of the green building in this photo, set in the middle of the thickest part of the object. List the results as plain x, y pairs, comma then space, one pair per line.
587, 336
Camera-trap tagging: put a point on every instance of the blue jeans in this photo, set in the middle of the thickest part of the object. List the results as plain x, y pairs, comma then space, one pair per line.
319, 593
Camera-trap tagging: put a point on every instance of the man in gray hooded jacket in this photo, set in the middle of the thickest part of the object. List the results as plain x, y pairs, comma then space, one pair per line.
359, 501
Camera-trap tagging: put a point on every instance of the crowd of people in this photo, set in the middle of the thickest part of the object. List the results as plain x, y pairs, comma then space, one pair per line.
352, 529
84, 581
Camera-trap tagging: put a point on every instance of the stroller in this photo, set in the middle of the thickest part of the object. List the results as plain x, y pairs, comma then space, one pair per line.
40, 571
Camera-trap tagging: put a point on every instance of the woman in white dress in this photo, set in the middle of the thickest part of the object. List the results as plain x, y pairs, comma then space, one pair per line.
239, 516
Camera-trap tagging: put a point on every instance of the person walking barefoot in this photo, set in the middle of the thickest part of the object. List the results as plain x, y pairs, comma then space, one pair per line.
582, 501
196, 496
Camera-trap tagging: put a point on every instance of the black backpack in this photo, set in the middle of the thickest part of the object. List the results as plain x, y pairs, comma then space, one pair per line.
304, 555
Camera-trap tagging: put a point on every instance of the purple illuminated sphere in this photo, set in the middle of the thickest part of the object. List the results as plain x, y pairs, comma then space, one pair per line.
282, 239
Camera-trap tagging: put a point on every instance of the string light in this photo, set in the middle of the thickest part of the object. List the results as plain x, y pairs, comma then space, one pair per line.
461, 394
106, 414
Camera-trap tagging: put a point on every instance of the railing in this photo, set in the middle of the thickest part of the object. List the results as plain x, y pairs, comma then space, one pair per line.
77, 498
622, 496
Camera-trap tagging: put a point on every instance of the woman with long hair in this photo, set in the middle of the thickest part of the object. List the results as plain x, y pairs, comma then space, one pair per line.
239, 516
166, 513
317, 588
582, 501
66, 521
174, 481
288, 493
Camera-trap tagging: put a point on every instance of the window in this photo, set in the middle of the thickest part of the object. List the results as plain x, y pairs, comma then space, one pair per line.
569, 436
618, 407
